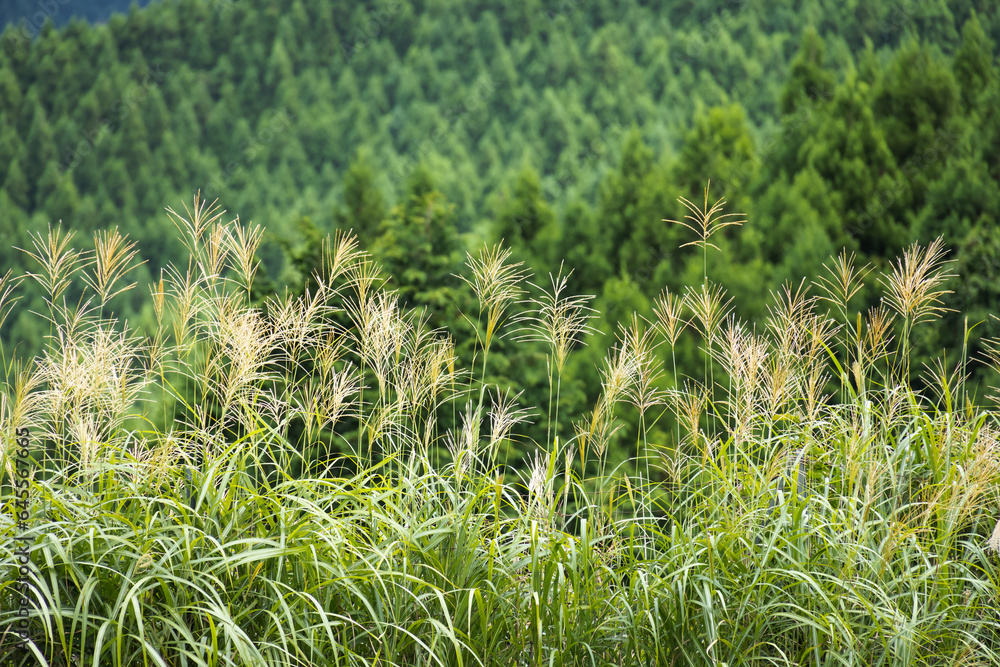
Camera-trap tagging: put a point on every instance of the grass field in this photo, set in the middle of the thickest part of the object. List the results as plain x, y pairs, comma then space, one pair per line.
809, 508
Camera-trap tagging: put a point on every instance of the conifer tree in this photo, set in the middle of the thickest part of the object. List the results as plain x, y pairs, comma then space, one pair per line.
622, 195
808, 82
524, 218
10, 147
364, 206
916, 98
16, 185
59, 194
973, 65
40, 148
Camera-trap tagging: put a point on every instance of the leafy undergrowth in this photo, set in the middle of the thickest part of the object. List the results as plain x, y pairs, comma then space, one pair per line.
809, 506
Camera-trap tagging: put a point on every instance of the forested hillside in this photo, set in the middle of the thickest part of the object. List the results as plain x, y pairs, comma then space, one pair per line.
568, 129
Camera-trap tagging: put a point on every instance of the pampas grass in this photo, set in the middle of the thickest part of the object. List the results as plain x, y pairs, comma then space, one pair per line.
811, 507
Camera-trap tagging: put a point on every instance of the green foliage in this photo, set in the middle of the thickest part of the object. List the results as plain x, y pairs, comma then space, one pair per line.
813, 507
808, 81
828, 126
364, 205
428, 128
524, 220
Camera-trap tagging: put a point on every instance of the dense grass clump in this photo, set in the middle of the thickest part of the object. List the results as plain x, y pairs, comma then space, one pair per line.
810, 505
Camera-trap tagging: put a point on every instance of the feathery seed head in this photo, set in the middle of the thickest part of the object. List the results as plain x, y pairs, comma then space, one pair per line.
620, 373
540, 493
185, 306
669, 309
85, 433
913, 286
158, 292
844, 280
496, 284
822, 330
243, 338
94, 371
705, 221
642, 392
788, 318
743, 353
324, 402
559, 320
597, 430
464, 449
689, 404
878, 334
380, 331
780, 381
341, 255
193, 227
217, 251
112, 257
241, 245
362, 275
815, 379
708, 306
59, 262
471, 423
504, 415
19, 408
